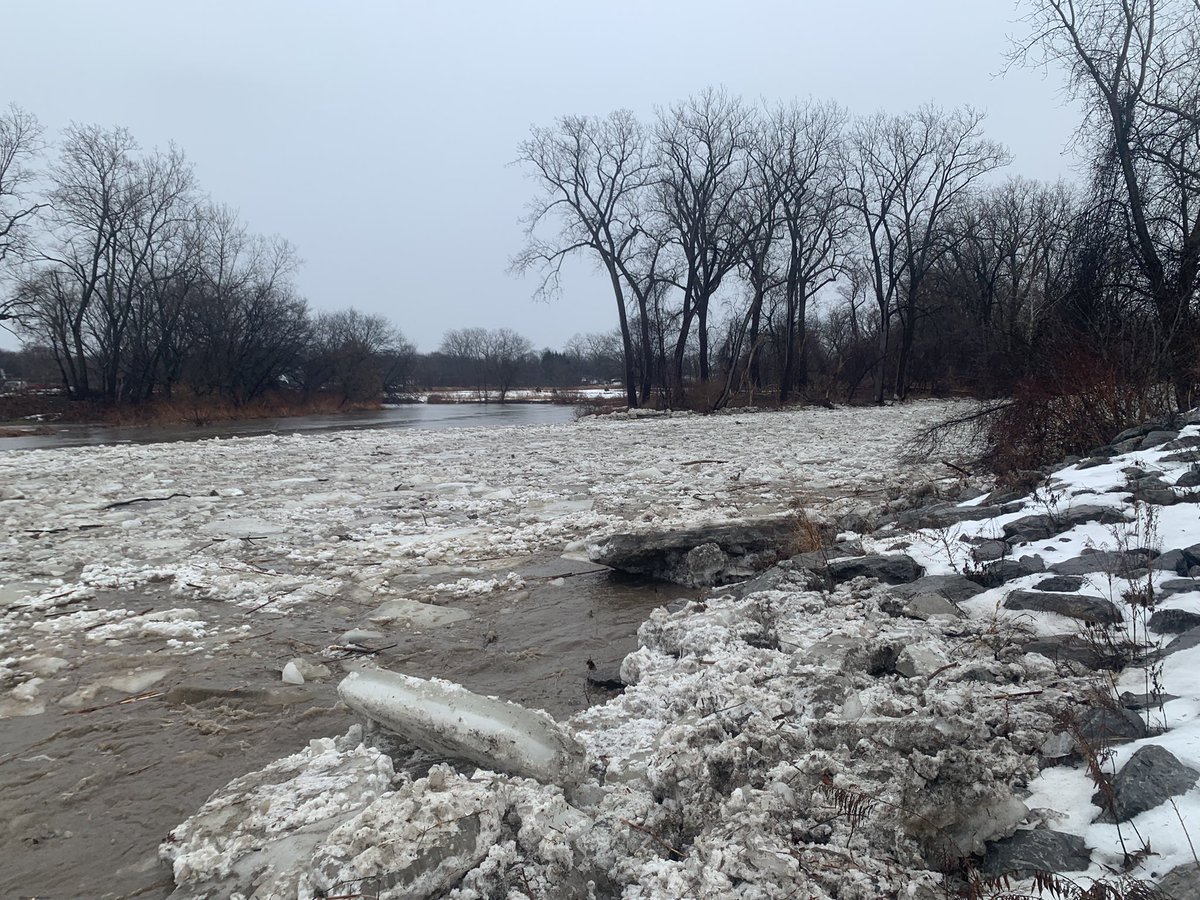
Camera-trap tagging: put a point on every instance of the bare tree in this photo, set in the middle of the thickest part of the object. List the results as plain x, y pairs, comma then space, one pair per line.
1135, 64
703, 152
907, 172
20, 144
505, 352
593, 173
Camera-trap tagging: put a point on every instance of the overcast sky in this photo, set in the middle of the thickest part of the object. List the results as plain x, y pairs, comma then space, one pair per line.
376, 136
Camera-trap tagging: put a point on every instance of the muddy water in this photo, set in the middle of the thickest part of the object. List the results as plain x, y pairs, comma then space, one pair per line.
416, 415
86, 795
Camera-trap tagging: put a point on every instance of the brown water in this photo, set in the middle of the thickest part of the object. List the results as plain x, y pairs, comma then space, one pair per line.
435, 416
86, 796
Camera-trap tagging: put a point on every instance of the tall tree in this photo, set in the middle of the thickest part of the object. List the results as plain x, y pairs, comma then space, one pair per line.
907, 173
592, 173
1135, 66
20, 144
703, 153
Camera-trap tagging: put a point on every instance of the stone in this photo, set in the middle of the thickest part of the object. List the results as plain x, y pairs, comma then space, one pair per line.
1130, 700
926, 606
1063, 648
1157, 439
1189, 479
1108, 561
1059, 584
1076, 606
1188, 456
1160, 497
997, 573
1174, 621
1039, 850
956, 588
1135, 431
1173, 586
1171, 561
1181, 883
990, 551
943, 515
1102, 726
1039, 527
702, 556
1152, 776
1185, 641
1186, 442
890, 569
608, 679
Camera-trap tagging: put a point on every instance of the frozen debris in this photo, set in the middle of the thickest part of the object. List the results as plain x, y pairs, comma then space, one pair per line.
446, 718
292, 673
413, 615
709, 555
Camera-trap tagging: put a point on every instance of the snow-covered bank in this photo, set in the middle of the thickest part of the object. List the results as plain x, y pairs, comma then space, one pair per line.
792, 739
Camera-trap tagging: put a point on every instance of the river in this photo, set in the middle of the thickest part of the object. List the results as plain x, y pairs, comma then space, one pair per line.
434, 416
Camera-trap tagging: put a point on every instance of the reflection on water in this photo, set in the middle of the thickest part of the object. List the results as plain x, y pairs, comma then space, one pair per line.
416, 415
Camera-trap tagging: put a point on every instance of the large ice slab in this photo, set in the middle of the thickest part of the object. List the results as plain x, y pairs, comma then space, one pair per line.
446, 718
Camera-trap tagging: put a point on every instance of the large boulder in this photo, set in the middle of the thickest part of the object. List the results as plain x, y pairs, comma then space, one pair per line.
1174, 621
1108, 561
700, 557
1093, 610
1181, 883
1152, 776
953, 587
888, 568
1041, 526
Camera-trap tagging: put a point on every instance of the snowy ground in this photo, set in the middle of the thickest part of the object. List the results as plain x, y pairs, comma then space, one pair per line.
122, 568
779, 741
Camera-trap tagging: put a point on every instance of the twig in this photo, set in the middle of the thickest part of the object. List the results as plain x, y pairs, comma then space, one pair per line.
271, 600
958, 469
143, 500
146, 695
654, 837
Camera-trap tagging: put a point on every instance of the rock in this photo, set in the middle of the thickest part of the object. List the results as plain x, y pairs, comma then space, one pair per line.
1109, 561
1064, 648
926, 606
787, 574
1157, 439
608, 679
1039, 527
956, 588
1160, 497
446, 718
1039, 850
1181, 883
1183, 443
1174, 621
997, 573
699, 557
1102, 726
1135, 431
891, 569
1076, 606
1032, 528
1151, 776
1173, 586
1188, 456
943, 515
1189, 479
1130, 700
1059, 584
1171, 561
1185, 641
990, 551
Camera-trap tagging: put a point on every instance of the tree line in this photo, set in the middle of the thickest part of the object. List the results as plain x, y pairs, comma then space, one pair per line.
133, 283
798, 248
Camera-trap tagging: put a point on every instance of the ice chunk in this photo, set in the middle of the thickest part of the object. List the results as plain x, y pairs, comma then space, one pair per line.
292, 674
446, 718
414, 615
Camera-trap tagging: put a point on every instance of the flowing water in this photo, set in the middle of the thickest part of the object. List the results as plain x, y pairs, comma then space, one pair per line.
88, 789
86, 795
415, 415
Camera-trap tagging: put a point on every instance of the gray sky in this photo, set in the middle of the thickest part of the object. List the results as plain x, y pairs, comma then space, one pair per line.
376, 136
